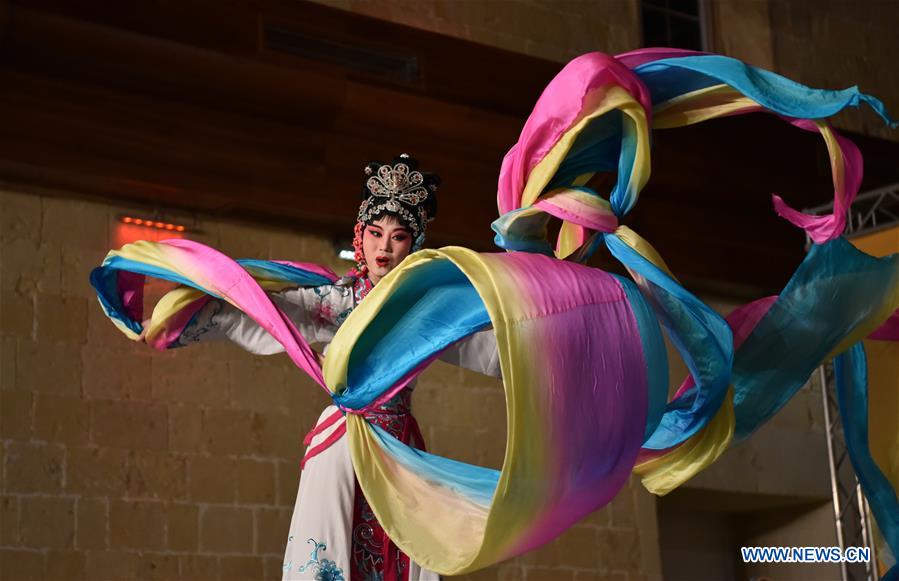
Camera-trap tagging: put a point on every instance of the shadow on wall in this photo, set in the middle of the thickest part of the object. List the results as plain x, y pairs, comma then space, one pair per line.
701, 533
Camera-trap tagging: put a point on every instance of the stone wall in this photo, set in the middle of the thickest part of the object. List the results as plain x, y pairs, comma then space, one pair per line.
121, 462
829, 44
838, 44
557, 30
822, 43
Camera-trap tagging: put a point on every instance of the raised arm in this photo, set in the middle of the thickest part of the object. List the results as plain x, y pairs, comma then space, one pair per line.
315, 312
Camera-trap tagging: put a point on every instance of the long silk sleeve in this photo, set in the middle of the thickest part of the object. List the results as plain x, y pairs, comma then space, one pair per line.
305, 307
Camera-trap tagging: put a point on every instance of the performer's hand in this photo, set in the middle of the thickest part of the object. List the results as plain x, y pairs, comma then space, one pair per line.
143, 334
320, 358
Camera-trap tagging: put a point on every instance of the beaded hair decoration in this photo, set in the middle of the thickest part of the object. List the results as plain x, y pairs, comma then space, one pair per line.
396, 188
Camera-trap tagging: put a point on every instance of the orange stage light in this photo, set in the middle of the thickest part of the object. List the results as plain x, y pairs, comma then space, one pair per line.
152, 224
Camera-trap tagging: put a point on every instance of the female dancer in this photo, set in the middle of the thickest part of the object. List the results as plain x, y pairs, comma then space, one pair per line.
334, 533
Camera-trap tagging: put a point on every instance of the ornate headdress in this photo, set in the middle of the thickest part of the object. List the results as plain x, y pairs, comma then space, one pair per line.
396, 188
399, 188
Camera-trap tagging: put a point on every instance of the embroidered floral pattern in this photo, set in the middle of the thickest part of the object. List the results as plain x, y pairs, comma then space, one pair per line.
201, 323
332, 309
324, 569
329, 571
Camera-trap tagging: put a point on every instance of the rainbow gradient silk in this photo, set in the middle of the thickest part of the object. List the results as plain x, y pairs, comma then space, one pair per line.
581, 351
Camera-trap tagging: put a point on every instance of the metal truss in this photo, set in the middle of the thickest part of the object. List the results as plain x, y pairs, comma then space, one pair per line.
871, 211
852, 516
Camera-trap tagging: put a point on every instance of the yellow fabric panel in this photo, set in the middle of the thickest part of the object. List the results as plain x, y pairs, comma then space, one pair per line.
170, 304
642, 246
700, 105
569, 240
663, 474
396, 499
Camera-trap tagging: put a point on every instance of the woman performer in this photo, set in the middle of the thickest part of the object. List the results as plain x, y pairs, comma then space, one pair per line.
334, 533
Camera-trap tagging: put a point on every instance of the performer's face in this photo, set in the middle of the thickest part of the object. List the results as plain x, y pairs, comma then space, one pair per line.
385, 243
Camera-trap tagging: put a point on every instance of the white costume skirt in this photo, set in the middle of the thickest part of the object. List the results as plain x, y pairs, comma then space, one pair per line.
320, 542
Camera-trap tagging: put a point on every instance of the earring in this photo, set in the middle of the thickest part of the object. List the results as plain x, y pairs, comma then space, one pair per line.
358, 254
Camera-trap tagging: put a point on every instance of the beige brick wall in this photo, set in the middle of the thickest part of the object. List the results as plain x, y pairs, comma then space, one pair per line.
830, 44
122, 462
822, 43
557, 30
836, 44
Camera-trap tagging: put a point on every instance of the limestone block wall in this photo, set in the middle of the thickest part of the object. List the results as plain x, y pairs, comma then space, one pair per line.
120, 462
821, 43
839, 44
557, 30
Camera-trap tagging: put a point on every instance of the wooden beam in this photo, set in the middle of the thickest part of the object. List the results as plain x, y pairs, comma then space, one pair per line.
186, 106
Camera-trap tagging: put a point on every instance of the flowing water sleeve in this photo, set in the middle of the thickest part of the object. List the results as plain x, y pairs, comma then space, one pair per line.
581, 352
575, 347
597, 116
851, 373
204, 273
837, 296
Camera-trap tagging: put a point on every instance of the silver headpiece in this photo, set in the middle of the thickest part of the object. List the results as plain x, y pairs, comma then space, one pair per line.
399, 189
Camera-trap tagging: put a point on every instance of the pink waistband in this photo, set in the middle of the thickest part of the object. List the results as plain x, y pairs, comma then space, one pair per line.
410, 430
